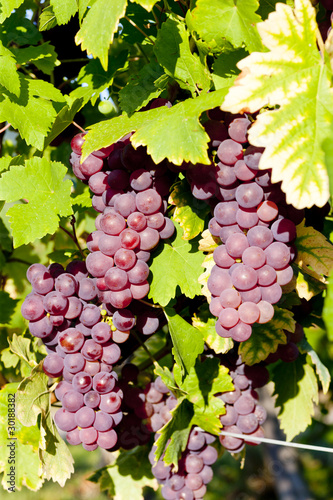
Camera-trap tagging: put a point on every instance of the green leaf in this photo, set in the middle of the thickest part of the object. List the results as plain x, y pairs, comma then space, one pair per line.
9, 77
267, 337
7, 7
93, 79
314, 251
42, 56
172, 50
32, 112
64, 255
47, 20
64, 10
328, 309
98, 28
57, 461
184, 138
177, 430
32, 397
295, 77
169, 380
146, 4
183, 266
321, 370
25, 447
206, 379
48, 197
296, 389
63, 119
225, 69
219, 344
142, 88
7, 306
190, 213
187, 341
217, 20
130, 474
19, 30
82, 201
21, 347
104, 480
328, 150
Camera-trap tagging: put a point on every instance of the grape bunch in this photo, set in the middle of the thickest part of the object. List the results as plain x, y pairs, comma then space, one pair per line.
257, 230
82, 349
243, 414
194, 468
128, 194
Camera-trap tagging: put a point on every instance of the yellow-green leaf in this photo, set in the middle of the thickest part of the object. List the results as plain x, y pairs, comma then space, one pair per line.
295, 77
219, 344
314, 251
208, 264
267, 337
208, 242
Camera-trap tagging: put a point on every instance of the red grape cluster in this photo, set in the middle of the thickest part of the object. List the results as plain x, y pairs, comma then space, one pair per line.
82, 349
257, 229
128, 192
194, 468
243, 414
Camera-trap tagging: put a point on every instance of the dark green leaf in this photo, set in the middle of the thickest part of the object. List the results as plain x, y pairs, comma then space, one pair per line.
7, 307
42, 56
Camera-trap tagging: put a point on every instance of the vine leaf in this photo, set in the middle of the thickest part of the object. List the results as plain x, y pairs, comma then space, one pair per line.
220, 20
208, 264
26, 447
187, 340
141, 88
296, 389
184, 138
314, 251
219, 344
206, 379
7, 7
98, 28
328, 308
183, 268
177, 430
293, 76
267, 337
42, 183
7, 307
189, 212
173, 52
93, 79
9, 77
42, 56
208, 242
64, 10
321, 370
33, 111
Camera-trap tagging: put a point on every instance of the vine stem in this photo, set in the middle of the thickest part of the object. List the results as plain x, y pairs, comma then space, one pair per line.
151, 357
79, 127
139, 29
73, 236
320, 43
150, 305
159, 355
4, 128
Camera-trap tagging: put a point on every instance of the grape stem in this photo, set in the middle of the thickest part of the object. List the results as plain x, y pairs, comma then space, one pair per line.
73, 236
78, 126
4, 128
149, 304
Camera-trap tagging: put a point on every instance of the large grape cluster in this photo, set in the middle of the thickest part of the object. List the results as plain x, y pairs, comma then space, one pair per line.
82, 349
243, 414
129, 190
255, 226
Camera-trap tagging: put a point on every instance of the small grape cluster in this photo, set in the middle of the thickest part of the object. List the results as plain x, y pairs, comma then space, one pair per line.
82, 349
129, 191
194, 468
243, 413
256, 227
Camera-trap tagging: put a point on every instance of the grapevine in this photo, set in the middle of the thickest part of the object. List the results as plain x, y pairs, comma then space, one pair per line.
166, 245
